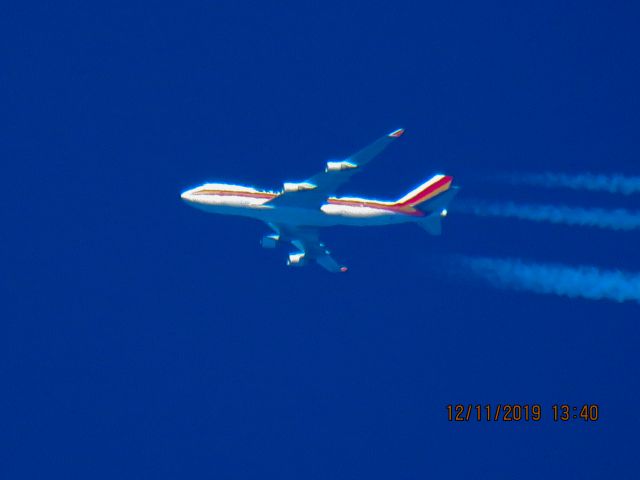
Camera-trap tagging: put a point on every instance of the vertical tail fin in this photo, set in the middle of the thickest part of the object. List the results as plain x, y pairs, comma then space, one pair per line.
428, 190
431, 198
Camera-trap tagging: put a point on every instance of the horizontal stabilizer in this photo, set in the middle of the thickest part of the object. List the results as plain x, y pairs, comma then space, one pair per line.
432, 224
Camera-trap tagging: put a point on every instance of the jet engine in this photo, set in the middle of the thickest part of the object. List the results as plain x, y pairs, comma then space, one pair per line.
296, 260
298, 187
337, 166
270, 241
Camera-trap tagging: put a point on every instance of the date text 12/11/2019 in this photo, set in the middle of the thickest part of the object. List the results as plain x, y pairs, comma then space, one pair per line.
514, 412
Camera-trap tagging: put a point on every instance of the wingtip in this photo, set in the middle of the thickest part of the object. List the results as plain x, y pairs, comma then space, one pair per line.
396, 133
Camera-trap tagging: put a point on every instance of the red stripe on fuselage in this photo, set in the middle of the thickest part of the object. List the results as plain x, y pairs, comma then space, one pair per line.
405, 208
234, 193
396, 208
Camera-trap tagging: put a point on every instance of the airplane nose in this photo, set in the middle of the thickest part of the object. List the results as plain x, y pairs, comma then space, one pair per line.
186, 196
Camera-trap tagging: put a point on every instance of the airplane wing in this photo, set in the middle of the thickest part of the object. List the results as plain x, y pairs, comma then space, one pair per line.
311, 248
315, 191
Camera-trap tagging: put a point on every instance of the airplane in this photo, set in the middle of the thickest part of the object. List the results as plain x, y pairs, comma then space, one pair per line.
296, 213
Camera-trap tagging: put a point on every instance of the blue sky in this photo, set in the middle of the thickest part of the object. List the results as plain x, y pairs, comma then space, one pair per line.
142, 338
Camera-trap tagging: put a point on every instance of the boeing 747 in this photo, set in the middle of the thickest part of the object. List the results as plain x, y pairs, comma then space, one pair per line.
296, 213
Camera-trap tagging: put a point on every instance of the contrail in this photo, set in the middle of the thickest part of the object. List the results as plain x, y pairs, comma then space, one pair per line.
582, 181
582, 281
618, 219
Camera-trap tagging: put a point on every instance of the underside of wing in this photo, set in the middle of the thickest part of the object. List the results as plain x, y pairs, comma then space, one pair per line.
315, 191
309, 246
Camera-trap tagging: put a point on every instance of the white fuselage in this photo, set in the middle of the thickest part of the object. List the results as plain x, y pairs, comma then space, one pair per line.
249, 202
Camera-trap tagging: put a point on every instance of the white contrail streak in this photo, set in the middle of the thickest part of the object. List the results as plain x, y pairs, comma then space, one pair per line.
616, 183
582, 281
618, 219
